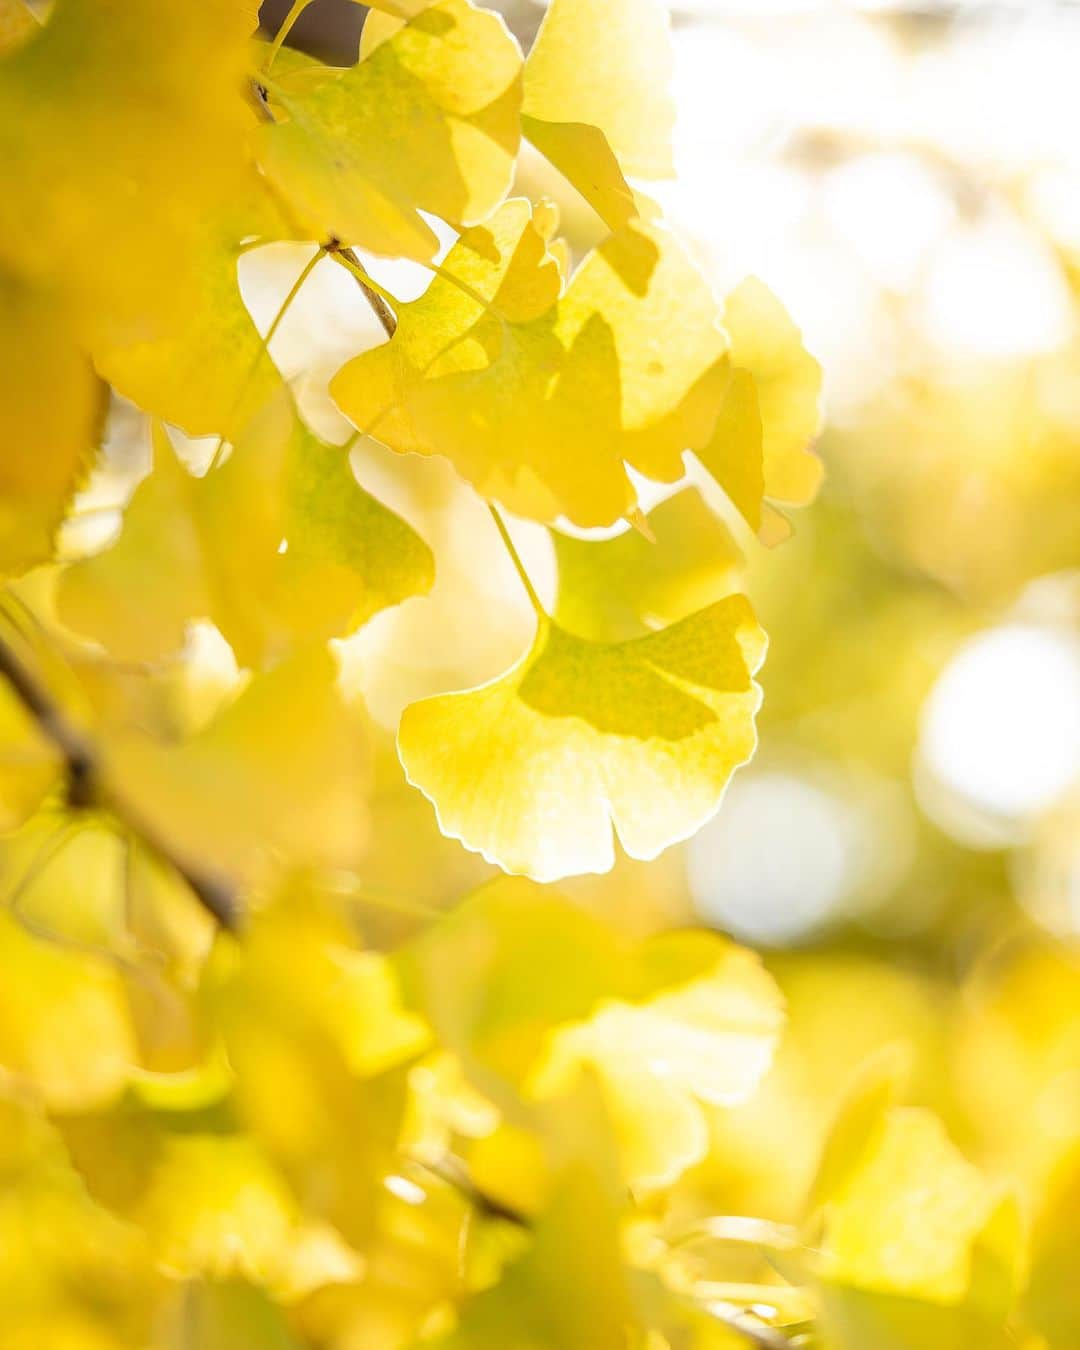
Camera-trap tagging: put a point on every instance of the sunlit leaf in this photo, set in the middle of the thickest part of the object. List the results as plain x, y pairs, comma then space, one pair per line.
541, 402
535, 769
773, 401
278, 546
427, 120
625, 46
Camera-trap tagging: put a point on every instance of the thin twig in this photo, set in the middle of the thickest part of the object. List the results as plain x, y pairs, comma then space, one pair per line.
87, 787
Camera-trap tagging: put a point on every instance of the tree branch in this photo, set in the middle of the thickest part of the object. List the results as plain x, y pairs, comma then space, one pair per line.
87, 787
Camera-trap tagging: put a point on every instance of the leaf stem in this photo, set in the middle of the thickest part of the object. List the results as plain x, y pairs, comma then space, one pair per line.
519, 566
286, 28
87, 788
377, 297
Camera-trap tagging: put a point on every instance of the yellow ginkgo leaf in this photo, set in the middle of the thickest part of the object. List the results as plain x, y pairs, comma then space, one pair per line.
65, 1030
317, 1037
428, 120
534, 769
771, 413
626, 48
122, 76
278, 546
612, 589
906, 1217
542, 405
705, 1035
279, 776
621, 118
209, 371
215, 1207
52, 408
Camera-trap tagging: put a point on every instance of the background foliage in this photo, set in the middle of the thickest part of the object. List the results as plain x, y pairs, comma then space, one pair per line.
329, 601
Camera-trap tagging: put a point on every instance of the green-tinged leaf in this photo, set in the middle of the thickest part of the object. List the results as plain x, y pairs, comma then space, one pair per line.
426, 121
279, 546
279, 776
52, 408
535, 769
541, 401
612, 589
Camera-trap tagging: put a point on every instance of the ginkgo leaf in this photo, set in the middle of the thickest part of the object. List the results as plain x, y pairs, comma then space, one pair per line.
906, 1217
279, 776
124, 221
65, 1031
541, 407
278, 546
426, 121
209, 372
303, 1012
626, 48
215, 1207
534, 769
771, 413
52, 408
621, 118
705, 1033
529, 991
612, 589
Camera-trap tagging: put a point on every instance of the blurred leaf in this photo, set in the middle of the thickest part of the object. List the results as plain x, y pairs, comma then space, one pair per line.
52, 410
279, 776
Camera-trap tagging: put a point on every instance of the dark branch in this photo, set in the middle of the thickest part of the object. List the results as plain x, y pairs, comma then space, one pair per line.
86, 787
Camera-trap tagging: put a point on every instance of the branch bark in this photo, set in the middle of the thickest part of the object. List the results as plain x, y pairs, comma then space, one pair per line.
88, 788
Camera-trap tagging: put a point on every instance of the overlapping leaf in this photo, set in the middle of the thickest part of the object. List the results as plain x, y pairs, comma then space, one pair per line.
530, 991
611, 589
534, 769
770, 412
541, 401
428, 120
278, 546
278, 777
52, 407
